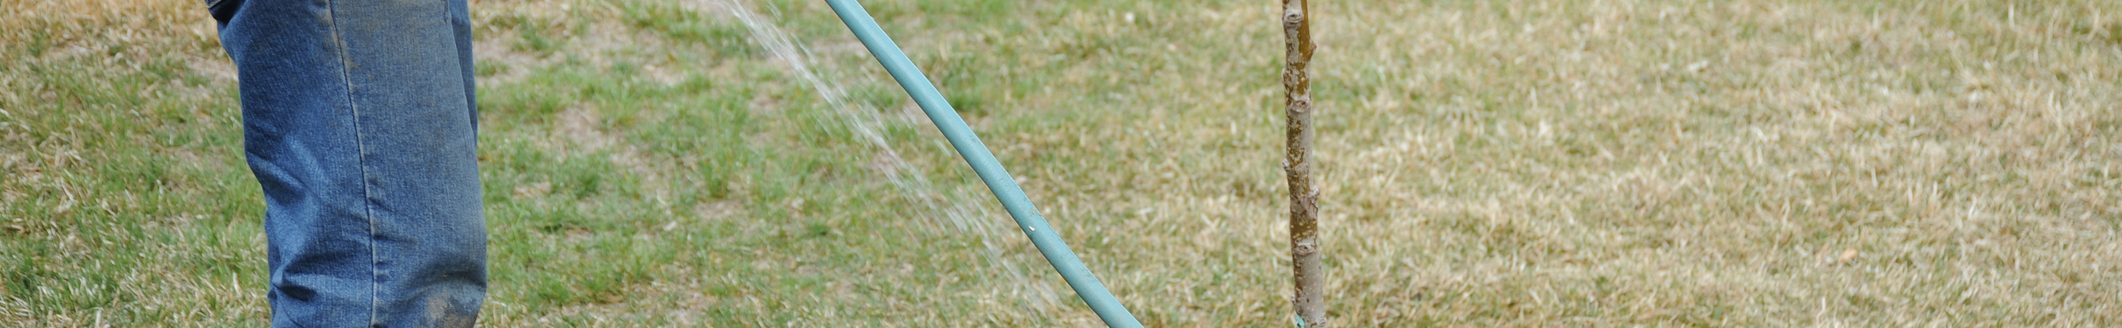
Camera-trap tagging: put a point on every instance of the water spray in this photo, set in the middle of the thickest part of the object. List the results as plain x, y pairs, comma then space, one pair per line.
984, 163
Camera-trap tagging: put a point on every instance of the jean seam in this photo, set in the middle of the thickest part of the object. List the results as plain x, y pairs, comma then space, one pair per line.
368, 208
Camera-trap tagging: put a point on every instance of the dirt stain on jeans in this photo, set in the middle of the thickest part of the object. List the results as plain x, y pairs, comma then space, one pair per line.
446, 312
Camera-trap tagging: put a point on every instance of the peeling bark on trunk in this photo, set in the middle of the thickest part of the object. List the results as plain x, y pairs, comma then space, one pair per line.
1310, 275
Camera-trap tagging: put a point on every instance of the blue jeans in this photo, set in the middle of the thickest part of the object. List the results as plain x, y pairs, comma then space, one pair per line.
359, 123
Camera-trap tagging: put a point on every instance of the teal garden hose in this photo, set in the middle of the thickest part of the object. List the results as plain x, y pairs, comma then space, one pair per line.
983, 162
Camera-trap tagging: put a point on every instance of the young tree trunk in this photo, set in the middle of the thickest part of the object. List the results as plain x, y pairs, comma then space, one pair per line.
1310, 276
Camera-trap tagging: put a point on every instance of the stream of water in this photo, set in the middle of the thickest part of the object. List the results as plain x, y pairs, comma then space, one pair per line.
956, 208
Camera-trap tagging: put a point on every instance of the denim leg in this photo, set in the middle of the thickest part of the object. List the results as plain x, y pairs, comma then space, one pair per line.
359, 124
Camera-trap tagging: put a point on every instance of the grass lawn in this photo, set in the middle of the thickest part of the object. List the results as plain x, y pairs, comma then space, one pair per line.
1484, 163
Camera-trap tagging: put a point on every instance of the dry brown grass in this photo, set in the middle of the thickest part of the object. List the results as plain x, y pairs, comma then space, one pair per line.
1615, 163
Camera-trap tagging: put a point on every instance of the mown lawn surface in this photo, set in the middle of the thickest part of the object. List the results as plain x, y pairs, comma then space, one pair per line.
1525, 163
